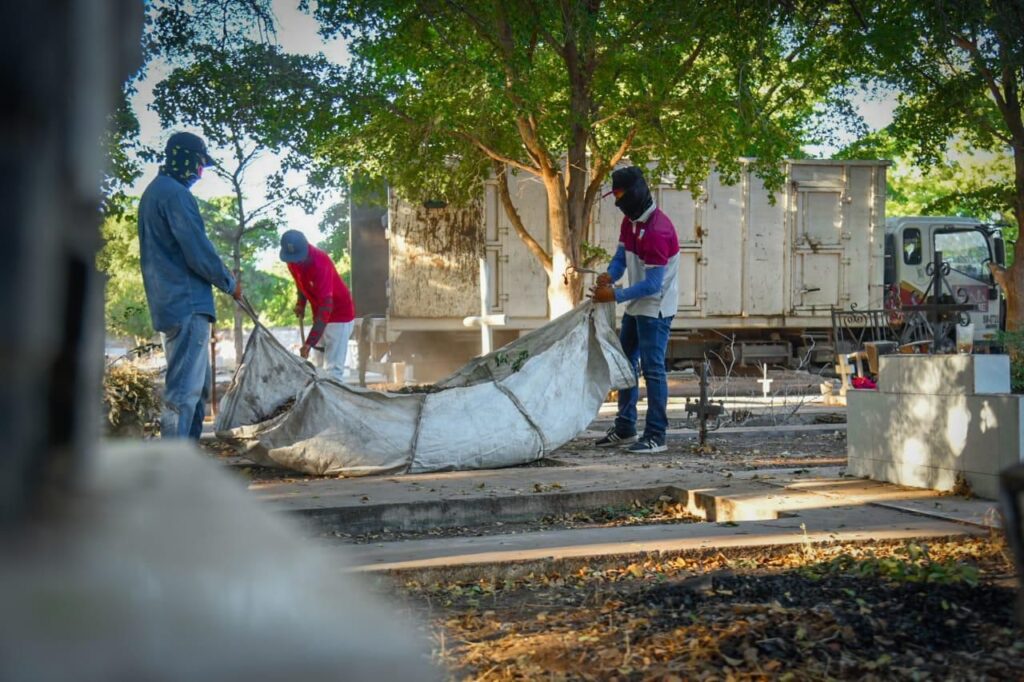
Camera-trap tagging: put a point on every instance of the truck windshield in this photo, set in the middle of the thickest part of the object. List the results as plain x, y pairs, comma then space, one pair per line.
966, 251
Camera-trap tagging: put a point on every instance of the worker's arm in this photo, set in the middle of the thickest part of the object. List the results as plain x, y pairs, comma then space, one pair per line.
323, 316
182, 213
617, 267
323, 289
650, 285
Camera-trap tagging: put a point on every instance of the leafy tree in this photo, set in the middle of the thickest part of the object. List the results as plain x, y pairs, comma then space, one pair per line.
246, 101
241, 242
441, 95
273, 295
172, 28
966, 182
125, 302
123, 148
336, 228
967, 186
175, 27
958, 65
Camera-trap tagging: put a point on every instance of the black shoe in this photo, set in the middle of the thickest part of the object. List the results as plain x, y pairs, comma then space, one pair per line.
613, 440
647, 445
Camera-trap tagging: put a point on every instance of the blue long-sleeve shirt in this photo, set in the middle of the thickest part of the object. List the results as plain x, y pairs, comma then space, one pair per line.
650, 285
179, 264
617, 268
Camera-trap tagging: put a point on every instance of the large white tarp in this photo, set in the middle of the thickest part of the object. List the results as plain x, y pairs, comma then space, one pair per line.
510, 407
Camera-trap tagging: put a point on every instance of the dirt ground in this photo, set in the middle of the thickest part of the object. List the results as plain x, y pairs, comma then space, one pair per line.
663, 511
768, 451
889, 610
726, 453
942, 610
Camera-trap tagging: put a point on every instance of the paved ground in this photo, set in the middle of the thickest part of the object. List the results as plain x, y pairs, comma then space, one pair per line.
758, 486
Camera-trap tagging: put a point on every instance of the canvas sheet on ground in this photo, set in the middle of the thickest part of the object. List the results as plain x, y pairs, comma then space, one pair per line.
510, 407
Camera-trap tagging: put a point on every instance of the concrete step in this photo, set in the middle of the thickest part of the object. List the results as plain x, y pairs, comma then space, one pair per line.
508, 555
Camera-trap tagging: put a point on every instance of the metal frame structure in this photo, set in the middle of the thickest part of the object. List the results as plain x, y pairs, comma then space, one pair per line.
929, 323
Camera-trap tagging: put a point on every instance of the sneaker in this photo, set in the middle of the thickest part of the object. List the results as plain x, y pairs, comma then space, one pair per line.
647, 446
613, 440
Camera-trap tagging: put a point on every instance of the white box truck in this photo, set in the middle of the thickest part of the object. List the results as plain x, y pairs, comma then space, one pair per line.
760, 272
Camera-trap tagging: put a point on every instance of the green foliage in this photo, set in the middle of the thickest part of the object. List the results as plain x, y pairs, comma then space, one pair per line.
125, 307
1013, 343
241, 250
440, 96
245, 101
336, 226
593, 254
122, 146
131, 400
220, 214
273, 295
957, 65
911, 564
172, 29
967, 182
515, 361
175, 27
247, 97
948, 59
432, 87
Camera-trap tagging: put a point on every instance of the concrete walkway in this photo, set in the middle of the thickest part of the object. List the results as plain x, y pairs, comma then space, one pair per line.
744, 509
846, 523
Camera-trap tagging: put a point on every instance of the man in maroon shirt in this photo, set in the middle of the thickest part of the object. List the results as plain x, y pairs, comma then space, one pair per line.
318, 282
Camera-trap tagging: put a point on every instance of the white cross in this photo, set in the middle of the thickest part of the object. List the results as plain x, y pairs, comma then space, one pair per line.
485, 320
765, 382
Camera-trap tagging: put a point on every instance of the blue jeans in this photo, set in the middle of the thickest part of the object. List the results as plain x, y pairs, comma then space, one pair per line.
644, 339
187, 348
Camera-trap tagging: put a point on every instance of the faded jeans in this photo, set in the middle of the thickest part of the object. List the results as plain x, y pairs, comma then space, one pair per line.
645, 339
187, 348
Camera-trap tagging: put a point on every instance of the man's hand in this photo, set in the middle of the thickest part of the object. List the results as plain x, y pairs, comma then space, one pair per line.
304, 352
237, 293
602, 294
300, 309
604, 280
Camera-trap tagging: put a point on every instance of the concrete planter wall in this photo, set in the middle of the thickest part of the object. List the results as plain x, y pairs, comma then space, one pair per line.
934, 418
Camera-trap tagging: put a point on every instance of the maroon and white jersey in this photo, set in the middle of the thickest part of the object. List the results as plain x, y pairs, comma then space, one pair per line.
651, 242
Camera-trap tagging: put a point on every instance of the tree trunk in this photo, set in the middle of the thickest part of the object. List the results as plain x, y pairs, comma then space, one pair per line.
1012, 284
564, 290
236, 259
1011, 279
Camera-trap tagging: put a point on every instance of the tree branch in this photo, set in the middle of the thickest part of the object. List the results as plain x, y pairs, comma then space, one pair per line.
534, 247
971, 48
602, 168
495, 155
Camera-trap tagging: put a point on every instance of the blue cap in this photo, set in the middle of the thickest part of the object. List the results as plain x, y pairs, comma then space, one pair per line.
191, 142
294, 247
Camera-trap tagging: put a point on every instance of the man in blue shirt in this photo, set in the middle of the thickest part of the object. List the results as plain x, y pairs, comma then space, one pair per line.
179, 265
648, 251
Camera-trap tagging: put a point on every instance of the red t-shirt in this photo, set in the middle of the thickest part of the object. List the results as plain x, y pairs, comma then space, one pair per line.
318, 281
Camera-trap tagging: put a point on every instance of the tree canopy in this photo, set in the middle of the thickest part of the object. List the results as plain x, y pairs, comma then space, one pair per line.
441, 95
957, 66
125, 307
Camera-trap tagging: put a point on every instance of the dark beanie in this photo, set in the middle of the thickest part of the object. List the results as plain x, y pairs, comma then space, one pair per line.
636, 197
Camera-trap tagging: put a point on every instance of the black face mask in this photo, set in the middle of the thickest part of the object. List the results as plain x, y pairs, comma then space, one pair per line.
182, 165
637, 197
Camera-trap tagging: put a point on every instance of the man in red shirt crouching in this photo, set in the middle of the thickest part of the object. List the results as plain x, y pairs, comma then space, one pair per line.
318, 282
